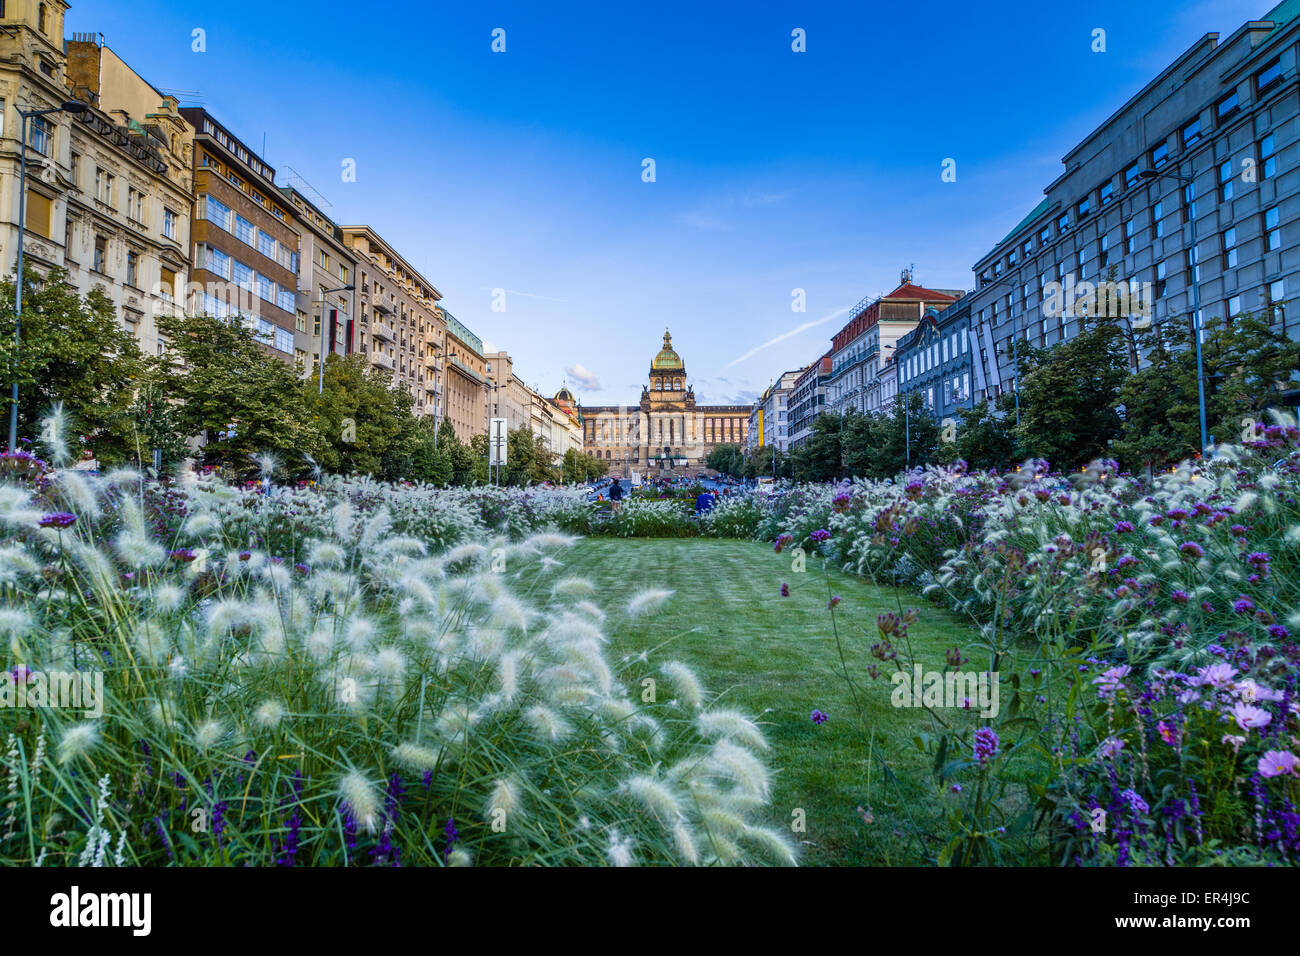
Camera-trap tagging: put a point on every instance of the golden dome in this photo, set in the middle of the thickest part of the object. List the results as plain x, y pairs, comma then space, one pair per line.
667, 359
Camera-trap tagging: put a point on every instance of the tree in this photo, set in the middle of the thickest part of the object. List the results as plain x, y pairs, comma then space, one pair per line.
1069, 394
72, 350
226, 387
727, 459
367, 426
985, 439
819, 458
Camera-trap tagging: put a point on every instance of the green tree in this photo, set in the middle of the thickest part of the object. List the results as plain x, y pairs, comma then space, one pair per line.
367, 425
228, 388
1069, 394
985, 438
72, 350
727, 459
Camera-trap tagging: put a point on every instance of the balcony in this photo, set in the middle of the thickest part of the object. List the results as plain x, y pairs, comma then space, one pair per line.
378, 301
382, 330
382, 360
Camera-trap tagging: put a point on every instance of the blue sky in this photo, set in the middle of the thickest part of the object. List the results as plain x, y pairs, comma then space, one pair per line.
774, 170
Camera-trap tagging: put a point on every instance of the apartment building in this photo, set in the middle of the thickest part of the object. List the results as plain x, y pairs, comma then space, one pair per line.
1190, 188
466, 381
398, 326
862, 351
326, 307
108, 189
808, 399
245, 242
769, 421
936, 359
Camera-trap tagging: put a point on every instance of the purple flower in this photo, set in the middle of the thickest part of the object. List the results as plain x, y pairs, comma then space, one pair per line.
182, 554
1190, 549
1278, 632
785, 589
820, 535
1275, 763
835, 599
1121, 527
58, 519
986, 744
1248, 716
1180, 597
1110, 747
819, 717
782, 540
1243, 605
1135, 802
955, 788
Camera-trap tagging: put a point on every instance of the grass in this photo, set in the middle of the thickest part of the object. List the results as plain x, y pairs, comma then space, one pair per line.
776, 659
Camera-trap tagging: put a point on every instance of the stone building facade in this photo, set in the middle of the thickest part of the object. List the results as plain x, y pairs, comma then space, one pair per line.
667, 433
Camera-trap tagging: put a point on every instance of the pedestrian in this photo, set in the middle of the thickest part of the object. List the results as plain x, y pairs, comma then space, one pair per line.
704, 502
616, 495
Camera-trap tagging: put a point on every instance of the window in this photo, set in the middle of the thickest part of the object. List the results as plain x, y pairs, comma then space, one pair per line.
135, 204
1162, 281
1272, 230
39, 135
1226, 180
1189, 202
1193, 265
1081, 261
169, 224
1107, 192
1268, 77
1267, 157
1044, 235
1160, 156
266, 245
1130, 237
1226, 106
1062, 223
266, 288
1131, 175
1158, 219
218, 262
285, 300
166, 283
74, 160
1081, 208
132, 267
38, 214
100, 263
1234, 306
245, 231
302, 321
243, 275
1230, 248
1276, 292
217, 212
1103, 251
40, 18
1191, 134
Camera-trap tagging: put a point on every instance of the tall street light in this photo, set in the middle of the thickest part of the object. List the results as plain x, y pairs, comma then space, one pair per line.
320, 390
1150, 174
70, 106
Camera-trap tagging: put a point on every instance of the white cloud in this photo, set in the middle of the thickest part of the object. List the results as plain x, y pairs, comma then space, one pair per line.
580, 375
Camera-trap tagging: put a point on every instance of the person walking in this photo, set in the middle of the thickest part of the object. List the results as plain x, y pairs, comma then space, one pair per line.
616, 495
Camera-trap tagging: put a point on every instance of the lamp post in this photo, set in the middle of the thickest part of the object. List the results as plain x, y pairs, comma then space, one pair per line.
69, 106
323, 293
1150, 174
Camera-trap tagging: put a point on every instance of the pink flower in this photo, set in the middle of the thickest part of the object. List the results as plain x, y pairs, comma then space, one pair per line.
1216, 675
1111, 680
1167, 733
1249, 717
1275, 763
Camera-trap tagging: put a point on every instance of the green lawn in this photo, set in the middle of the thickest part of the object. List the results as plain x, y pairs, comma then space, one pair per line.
776, 659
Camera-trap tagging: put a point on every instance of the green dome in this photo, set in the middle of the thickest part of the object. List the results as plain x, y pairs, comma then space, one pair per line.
667, 358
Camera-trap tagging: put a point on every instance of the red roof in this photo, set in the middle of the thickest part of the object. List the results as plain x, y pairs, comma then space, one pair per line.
909, 291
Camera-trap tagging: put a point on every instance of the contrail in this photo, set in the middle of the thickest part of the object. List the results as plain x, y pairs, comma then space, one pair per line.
793, 332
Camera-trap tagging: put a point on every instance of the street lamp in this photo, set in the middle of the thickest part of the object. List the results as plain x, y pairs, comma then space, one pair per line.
1150, 174
321, 355
69, 106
